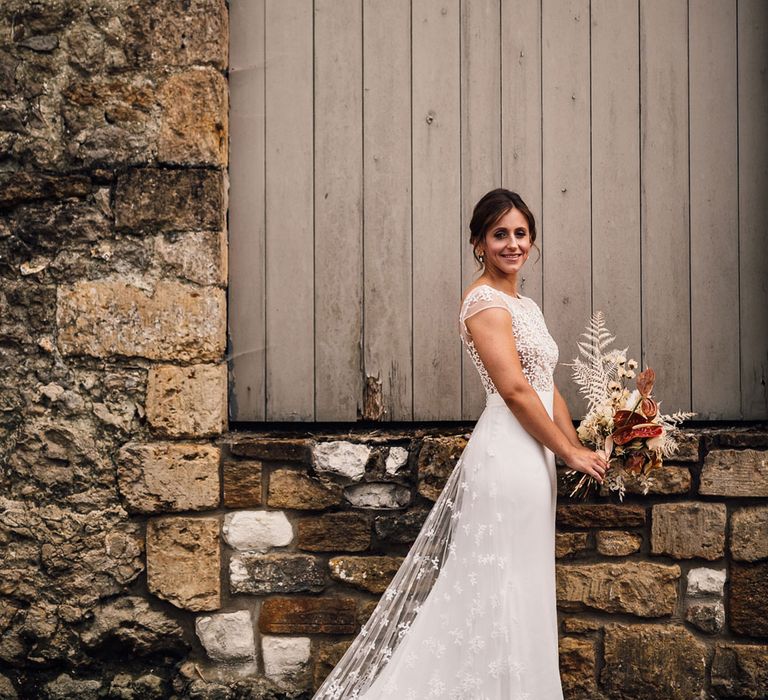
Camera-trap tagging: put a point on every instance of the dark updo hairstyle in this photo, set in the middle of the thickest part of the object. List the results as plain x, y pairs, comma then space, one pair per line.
491, 207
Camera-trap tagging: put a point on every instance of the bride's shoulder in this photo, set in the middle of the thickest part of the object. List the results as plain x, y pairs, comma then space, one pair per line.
479, 291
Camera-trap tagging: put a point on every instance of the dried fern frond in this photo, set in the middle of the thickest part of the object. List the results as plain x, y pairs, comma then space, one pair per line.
593, 373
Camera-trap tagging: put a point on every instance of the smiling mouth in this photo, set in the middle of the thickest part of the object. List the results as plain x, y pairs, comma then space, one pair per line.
511, 257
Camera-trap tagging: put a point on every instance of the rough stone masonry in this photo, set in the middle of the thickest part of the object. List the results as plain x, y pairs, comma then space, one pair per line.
148, 552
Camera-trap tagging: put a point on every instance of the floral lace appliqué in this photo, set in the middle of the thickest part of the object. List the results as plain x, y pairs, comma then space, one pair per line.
536, 348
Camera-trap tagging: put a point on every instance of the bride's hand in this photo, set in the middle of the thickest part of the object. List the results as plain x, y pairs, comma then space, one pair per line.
582, 459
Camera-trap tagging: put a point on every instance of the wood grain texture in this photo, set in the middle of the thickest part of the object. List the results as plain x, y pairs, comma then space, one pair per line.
753, 206
387, 211
364, 131
616, 169
664, 204
714, 204
290, 361
338, 209
521, 120
247, 277
566, 234
480, 147
437, 231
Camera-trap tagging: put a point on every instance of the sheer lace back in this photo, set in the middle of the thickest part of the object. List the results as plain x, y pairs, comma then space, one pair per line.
536, 348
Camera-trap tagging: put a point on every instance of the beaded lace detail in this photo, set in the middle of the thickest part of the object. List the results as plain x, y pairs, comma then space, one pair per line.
536, 348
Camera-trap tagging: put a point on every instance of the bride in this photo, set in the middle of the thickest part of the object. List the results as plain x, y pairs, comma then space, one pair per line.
471, 612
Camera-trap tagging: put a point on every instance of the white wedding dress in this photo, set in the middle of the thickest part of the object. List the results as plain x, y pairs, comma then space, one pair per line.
471, 612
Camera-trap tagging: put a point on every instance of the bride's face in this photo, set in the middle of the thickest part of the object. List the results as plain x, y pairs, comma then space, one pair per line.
507, 243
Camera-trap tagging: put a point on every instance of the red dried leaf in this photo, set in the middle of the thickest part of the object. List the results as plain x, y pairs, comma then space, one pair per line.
642, 430
645, 381
627, 418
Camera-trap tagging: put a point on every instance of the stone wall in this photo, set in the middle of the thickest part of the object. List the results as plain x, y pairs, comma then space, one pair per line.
113, 269
148, 552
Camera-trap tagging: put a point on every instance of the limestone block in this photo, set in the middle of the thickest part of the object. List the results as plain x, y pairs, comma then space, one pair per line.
130, 623
377, 495
8, 692
740, 670
365, 611
196, 256
688, 530
345, 532
261, 574
437, 458
170, 321
308, 615
581, 625
570, 542
703, 582
634, 587
600, 515
187, 401
577, 667
738, 437
735, 473
616, 543
327, 656
666, 662
371, 574
183, 561
111, 119
193, 125
272, 448
397, 458
148, 685
227, 636
158, 199
688, 444
161, 36
286, 661
257, 530
666, 480
168, 476
341, 458
242, 483
708, 615
748, 599
296, 490
65, 687
400, 528
749, 533
18, 187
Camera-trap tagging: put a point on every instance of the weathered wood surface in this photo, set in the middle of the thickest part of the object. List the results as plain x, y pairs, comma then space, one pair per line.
364, 131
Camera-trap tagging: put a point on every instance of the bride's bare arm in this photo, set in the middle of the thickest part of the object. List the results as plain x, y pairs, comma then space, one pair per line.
563, 420
494, 340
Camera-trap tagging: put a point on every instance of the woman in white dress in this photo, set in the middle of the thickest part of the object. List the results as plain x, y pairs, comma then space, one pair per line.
471, 612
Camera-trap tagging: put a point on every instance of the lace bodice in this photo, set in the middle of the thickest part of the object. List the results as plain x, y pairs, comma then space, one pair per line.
536, 348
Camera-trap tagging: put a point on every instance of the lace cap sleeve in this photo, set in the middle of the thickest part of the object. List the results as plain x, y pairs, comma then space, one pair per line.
479, 299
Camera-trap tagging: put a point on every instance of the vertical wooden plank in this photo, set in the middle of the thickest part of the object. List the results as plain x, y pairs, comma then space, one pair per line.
714, 210
338, 209
289, 206
616, 169
664, 197
246, 293
521, 120
753, 205
437, 235
480, 146
566, 170
387, 202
